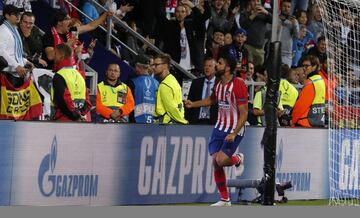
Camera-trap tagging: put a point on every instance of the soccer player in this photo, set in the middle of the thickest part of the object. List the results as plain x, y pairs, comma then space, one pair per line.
232, 97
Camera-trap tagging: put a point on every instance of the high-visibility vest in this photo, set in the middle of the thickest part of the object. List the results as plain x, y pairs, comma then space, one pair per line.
113, 97
166, 117
75, 84
316, 115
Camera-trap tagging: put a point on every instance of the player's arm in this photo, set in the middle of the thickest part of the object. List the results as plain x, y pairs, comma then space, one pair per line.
243, 111
201, 103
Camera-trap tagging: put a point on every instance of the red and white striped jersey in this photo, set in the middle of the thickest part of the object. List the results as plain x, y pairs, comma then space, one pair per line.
228, 97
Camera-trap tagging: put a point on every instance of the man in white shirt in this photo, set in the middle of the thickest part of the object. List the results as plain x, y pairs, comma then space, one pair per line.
11, 47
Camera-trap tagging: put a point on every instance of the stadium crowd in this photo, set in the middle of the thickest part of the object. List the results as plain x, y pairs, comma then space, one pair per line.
195, 33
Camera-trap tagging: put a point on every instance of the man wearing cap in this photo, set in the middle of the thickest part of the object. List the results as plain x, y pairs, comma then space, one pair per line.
144, 88
11, 47
238, 52
114, 99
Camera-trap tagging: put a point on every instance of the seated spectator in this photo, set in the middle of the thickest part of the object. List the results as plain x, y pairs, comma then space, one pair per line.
31, 39
114, 99
237, 51
144, 88
61, 33
70, 98
202, 88
293, 76
250, 72
23, 4
309, 109
12, 48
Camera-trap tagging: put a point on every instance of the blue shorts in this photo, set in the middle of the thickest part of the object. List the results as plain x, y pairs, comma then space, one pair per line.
217, 142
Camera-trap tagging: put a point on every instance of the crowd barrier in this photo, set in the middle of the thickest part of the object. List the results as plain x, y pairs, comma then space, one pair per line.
129, 164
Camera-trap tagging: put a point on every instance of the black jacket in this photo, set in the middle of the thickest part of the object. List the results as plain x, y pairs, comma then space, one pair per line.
195, 93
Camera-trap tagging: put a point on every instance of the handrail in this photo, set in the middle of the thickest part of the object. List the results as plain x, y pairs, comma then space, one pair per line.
137, 36
114, 37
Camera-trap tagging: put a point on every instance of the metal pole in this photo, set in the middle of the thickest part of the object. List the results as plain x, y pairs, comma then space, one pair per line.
275, 22
142, 39
109, 30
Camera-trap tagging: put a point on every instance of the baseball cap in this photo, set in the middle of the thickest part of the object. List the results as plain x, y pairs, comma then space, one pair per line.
142, 59
240, 31
11, 9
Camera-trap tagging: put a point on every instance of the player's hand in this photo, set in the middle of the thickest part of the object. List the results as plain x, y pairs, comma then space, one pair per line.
188, 103
230, 137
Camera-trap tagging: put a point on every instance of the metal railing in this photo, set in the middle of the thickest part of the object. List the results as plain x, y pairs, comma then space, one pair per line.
123, 25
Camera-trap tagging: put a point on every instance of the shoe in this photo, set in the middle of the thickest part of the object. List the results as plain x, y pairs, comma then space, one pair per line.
239, 168
222, 203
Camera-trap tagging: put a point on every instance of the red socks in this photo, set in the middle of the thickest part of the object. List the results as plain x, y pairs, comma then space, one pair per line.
220, 180
235, 159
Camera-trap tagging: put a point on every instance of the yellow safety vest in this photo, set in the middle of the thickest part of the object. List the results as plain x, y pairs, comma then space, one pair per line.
75, 84
113, 97
316, 115
177, 115
288, 93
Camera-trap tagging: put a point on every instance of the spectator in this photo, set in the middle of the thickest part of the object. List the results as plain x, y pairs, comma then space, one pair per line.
319, 50
316, 26
309, 109
23, 4
259, 99
169, 107
289, 28
293, 76
12, 48
178, 35
31, 39
288, 95
297, 5
221, 17
250, 72
300, 45
228, 39
213, 47
114, 99
61, 33
254, 20
70, 98
203, 115
237, 51
144, 88
354, 44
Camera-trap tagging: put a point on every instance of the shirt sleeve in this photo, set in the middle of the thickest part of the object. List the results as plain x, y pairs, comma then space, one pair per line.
101, 108
240, 92
128, 107
170, 106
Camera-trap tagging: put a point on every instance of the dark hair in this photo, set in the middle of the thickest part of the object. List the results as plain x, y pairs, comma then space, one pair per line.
231, 62
289, 1
298, 13
65, 49
284, 69
314, 61
58, 16
28, 14
208, 59
165, 58
321, 38
113, 63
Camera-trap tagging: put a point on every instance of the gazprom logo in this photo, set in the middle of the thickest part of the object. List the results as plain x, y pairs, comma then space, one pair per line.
52, 184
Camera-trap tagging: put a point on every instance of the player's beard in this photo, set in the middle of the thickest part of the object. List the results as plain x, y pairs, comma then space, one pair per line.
219, 73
